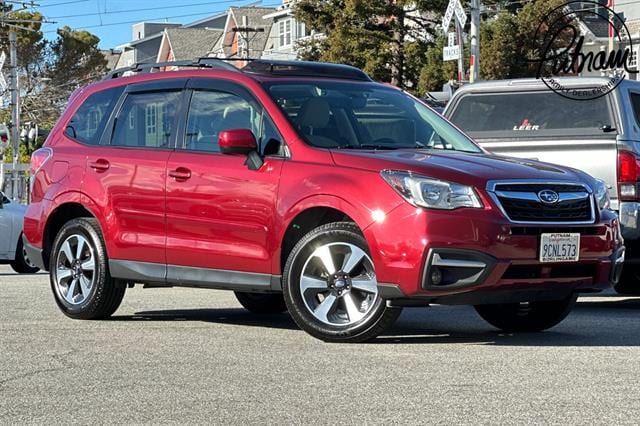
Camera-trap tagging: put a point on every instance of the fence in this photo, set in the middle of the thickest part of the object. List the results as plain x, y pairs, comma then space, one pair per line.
22, 178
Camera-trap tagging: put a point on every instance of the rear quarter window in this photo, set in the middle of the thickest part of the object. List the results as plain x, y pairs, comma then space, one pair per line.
520, 115
88, 122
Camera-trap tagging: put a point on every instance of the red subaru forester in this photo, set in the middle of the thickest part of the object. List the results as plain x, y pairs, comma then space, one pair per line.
305, 187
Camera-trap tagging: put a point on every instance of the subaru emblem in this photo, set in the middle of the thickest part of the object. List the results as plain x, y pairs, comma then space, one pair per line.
548, 196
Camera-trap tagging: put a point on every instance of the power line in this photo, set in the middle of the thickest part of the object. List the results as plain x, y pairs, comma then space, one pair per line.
64, 2
144, 9
160, 18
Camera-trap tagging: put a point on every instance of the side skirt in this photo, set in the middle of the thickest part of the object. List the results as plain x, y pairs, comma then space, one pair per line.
157, 274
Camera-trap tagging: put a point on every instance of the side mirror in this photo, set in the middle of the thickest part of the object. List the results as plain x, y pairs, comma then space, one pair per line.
237, 141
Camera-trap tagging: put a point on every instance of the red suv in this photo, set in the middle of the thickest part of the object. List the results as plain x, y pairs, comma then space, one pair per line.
305, 187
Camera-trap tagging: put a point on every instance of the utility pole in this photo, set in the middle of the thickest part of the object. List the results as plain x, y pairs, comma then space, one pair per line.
459, 30
15, 110
244, 37
475, 41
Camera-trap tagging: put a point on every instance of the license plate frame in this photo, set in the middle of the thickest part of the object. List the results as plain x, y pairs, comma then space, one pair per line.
559, 247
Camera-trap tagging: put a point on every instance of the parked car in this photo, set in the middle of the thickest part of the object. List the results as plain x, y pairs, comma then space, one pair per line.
11, 248
305, 187
524, 118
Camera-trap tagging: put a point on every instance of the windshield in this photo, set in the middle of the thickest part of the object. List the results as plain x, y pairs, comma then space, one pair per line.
339, 115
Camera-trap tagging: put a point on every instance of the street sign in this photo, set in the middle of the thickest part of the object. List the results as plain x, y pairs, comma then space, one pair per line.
451, 39
3, 82
451, 53
454, 8
460, 15
448, 14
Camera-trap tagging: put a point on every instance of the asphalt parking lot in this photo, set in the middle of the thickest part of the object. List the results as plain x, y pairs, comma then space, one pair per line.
195, 356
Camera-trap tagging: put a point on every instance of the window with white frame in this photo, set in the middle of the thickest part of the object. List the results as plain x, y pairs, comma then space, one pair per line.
633, 59
151, 119
284, 33
301, 30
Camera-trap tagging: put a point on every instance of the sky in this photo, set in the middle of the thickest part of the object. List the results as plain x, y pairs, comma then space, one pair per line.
111, 20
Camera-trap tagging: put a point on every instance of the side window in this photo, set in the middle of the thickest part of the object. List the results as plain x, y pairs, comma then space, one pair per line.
212, 112
146, 120
88, 122
270, 140
635, 103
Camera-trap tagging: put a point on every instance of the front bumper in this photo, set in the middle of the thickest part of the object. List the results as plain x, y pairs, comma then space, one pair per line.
482, 257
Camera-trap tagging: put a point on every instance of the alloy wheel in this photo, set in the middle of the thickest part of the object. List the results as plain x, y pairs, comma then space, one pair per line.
338, 284
75, 270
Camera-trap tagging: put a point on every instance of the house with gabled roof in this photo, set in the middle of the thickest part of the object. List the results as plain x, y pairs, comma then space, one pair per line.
180, 44
246, 33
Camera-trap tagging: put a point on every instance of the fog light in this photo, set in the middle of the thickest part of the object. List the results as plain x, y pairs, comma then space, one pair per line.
436, 276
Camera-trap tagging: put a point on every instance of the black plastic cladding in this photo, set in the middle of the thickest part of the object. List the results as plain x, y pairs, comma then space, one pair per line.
255, 67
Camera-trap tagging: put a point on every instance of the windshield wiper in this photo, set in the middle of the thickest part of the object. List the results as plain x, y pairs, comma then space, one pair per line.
369, 146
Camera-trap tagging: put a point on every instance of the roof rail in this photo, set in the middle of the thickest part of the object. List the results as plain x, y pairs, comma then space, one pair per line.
207, 62
304, 69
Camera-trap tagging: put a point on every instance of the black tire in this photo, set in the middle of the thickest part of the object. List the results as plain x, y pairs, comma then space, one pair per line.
105, 296
379, 317
526, 317
21, 264
262, 303
629, 281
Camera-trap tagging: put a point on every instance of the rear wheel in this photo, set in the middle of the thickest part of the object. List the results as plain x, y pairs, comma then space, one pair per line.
330, 286
262, 303
629, 281
22, 264
79, 274
526, 316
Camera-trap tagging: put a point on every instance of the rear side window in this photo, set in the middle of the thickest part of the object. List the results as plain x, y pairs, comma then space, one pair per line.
534, 114
635, 103
88, 123
146, 120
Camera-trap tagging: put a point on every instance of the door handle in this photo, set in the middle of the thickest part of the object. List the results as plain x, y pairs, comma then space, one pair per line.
181, 173
99, 165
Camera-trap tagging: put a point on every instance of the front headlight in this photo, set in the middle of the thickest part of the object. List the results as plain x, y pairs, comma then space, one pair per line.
602, 194
431, 193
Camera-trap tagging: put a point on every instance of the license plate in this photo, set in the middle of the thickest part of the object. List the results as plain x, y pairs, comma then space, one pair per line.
560, 247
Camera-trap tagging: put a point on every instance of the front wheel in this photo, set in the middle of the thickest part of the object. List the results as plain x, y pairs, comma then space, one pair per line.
79, 272
330, 286
22, 264
526, 316
629, 281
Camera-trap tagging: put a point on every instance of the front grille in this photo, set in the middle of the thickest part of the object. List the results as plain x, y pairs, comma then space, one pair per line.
520, 202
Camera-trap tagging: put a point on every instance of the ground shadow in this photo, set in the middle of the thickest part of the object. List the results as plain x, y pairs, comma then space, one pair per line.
592, 323
233, 316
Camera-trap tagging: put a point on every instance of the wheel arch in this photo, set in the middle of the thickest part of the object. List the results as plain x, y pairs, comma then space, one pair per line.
310, 214
59, 216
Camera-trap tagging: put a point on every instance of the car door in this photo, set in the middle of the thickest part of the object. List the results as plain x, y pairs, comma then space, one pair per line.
126, 175
220, 214
6, 227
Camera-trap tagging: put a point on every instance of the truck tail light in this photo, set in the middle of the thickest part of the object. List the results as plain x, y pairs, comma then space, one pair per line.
628, 176
39, 158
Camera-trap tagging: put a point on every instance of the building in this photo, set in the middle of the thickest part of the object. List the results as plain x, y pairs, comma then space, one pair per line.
286, 33
246, 33
239, 32
179, 44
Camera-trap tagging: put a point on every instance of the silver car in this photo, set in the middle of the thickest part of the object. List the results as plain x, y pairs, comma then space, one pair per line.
524, 118
11, 249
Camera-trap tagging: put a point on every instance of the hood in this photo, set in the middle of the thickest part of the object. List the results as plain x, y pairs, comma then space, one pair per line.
465, 168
